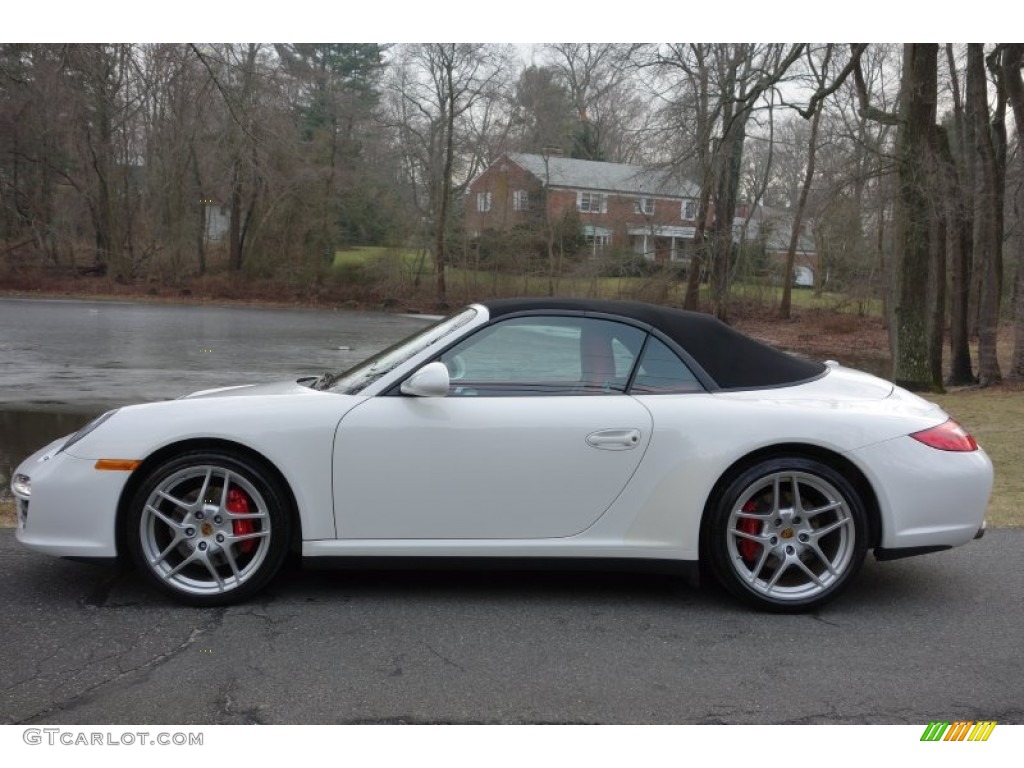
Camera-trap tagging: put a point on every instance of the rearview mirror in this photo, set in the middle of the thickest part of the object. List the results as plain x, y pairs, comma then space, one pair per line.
429, 381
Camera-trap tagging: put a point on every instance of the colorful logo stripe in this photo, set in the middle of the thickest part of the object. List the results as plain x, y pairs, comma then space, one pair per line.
961, 730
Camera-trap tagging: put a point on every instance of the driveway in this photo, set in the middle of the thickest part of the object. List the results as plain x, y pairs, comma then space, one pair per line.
935, 637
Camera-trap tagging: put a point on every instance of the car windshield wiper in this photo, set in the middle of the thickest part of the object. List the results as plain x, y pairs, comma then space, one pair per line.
325, 381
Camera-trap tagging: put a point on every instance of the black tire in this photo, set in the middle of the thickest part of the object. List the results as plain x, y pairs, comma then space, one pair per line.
220, 549
780, 556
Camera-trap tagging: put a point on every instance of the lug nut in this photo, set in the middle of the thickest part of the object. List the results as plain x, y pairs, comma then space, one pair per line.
775, 540
797, 520
220, 538
778, 521
199, 515
217, 519
804, 537
202, 545
789, 550
190, 532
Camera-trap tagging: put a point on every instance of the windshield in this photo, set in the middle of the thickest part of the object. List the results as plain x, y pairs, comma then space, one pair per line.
356, 379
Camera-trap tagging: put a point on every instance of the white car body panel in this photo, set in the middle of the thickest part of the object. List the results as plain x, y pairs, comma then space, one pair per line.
482, 468
294, 430
384, 475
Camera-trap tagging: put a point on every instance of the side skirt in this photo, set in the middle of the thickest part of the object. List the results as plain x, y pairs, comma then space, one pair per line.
686, 569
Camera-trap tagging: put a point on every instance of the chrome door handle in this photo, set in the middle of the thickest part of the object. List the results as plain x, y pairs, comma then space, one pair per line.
614, 439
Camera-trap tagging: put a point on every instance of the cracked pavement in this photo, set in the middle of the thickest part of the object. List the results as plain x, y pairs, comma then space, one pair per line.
910, 641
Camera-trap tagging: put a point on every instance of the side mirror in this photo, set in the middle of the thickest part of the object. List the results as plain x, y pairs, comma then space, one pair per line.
431, 380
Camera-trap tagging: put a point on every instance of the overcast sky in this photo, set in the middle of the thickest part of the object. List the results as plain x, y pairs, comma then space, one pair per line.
522, 22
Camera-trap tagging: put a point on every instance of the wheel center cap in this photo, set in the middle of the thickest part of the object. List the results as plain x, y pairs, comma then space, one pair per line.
787, 533
207, 529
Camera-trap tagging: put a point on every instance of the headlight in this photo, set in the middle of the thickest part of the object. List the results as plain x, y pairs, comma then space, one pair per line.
21, 485
87, 429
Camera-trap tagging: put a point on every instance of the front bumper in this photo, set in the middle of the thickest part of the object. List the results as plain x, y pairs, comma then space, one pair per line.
72, 511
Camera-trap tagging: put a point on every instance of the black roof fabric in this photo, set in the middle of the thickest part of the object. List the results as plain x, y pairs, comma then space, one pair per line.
733, 360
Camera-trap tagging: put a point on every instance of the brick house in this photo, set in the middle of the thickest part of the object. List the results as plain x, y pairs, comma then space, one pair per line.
625, 207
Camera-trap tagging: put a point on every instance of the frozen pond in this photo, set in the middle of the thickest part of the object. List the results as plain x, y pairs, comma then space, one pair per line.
62, 362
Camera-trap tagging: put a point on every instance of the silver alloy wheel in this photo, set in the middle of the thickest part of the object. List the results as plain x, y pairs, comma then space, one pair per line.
791, 536
205, 530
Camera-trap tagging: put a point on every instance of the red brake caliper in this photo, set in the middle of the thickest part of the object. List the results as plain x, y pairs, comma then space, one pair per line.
238, 504
749, 549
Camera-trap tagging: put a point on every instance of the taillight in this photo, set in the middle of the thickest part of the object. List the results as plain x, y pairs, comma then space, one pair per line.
948, 436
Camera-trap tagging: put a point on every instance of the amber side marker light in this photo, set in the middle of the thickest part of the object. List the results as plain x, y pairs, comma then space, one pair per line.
948, 436
118, 465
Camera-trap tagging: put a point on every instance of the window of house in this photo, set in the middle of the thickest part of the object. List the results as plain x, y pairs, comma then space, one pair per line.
483, 201
598, 241
689, 210
592, 202
644, 205
520, 200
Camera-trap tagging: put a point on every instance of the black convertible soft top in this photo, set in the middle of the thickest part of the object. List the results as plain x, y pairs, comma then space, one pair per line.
732, 360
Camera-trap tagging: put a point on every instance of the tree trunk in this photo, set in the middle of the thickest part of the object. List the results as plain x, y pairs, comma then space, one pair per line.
1012, 61
958, 246
726, 188
987, 219
697, 256
914, 259
794, 238
446, 185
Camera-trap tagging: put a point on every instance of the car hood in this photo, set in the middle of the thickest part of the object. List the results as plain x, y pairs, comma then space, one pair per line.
243, 390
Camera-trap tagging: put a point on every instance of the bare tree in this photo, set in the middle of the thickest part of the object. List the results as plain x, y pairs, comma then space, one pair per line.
988, 216
438, 86
1011, 63
918, 255
597, 76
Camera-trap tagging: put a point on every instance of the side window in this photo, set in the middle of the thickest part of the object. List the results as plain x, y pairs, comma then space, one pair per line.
544, 356
662, 372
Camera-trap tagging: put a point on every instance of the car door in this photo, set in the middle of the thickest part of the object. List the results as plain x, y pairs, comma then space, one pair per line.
535, 439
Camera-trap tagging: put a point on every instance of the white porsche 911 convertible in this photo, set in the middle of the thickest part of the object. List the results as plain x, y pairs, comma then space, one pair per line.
530, 430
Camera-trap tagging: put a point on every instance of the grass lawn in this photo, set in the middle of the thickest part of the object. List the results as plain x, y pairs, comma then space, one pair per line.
364, 253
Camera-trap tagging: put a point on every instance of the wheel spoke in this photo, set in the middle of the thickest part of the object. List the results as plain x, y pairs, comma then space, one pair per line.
247, 536
750, 537
213, 572
753, 515
803, 567
170, 548
224, 492
176, 501
201, 499
244, 515
777, 494
168, 521
783, 567
797, 506
176, 569
765, 552
230, 557
826, 530
819, 510
813, 546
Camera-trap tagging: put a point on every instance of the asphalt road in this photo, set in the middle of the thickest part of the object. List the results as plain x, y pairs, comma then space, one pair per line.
935, 637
